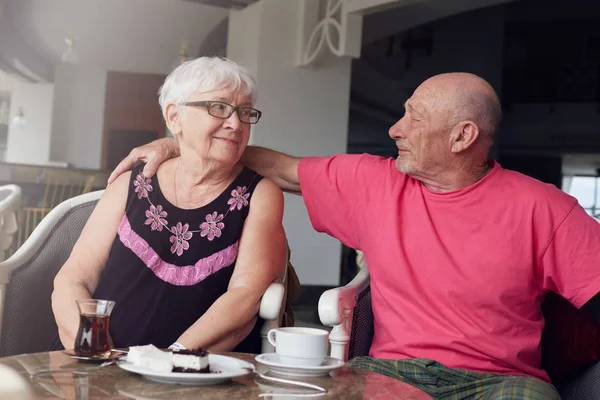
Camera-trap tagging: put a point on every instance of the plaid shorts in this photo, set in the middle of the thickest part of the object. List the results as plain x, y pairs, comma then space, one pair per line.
445, 383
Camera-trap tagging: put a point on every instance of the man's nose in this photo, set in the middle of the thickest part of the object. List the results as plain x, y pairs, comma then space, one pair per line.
395, 131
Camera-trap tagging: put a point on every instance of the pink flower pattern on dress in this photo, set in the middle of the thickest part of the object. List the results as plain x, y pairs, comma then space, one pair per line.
142, 186
180, 238
239, 198
181, 233
179, 275
213, 225
156, 218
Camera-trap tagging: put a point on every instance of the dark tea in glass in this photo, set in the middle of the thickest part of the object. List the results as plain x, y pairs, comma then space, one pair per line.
93, 337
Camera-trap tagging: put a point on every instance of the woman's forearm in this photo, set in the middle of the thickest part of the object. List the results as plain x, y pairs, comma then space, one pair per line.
65, 309
225, 324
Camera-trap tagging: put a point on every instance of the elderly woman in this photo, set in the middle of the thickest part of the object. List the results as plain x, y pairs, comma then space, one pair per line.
188, 254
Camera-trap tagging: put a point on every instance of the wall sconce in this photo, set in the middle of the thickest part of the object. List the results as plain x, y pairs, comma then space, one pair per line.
70, 56
19, 119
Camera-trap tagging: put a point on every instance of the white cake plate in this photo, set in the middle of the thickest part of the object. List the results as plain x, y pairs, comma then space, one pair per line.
222, 368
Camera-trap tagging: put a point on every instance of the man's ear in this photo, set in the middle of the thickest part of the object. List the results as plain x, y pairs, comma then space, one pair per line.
173, 118
464, 135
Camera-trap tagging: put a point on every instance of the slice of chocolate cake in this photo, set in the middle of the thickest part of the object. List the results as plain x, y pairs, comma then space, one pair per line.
190, 360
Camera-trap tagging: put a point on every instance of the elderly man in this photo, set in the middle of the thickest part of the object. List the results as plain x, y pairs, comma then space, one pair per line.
461, 251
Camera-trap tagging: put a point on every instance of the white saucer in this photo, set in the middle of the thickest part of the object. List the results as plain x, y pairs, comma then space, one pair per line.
271, 360
222, 368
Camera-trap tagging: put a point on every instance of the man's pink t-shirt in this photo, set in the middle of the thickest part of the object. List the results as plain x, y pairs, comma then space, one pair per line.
457, 277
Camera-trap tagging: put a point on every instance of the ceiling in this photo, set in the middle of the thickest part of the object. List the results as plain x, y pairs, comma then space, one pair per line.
121, 35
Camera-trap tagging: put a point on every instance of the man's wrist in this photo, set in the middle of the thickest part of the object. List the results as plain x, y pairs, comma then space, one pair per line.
173, 148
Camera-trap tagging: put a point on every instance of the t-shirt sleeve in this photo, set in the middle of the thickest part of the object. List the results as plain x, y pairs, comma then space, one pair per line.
571, 263
331, 187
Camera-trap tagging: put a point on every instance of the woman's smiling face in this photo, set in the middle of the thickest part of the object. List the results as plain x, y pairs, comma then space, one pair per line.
212, 138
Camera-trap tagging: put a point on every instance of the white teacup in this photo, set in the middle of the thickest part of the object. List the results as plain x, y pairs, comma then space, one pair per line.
299, 346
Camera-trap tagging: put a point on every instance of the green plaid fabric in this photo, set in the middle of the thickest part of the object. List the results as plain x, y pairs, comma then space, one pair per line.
457, 384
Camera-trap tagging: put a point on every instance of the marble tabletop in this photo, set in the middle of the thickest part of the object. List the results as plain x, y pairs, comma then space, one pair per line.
77, 381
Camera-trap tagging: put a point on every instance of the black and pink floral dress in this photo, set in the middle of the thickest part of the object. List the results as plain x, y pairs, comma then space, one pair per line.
168, 265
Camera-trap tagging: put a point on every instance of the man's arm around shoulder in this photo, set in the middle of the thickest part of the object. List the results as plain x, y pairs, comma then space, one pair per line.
280, 168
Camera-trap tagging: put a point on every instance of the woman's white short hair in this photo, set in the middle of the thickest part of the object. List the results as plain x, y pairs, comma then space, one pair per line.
205, 74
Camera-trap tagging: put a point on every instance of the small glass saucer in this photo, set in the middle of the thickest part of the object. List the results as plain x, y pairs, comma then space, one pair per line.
113, 355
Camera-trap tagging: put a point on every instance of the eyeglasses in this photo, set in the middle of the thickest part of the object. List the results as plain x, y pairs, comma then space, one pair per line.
223, 110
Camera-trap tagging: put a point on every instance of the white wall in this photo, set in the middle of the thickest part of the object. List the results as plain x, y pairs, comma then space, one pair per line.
31, 142
305, 113
78, 115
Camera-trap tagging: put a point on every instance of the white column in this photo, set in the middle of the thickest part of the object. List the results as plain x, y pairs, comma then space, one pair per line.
78, 115
305, 113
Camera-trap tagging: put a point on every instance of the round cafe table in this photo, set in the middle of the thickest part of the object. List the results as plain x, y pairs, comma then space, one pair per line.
77, 381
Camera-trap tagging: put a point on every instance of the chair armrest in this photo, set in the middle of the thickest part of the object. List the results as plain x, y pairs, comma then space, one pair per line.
336, 309
44, 229
270, 310
271, 302
334, 302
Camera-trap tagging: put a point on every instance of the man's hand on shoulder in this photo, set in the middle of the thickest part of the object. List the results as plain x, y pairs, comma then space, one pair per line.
152, 154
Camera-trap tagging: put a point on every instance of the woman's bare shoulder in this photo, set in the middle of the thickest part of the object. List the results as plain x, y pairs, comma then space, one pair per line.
267, 200
116, 193
268, 188
120, 183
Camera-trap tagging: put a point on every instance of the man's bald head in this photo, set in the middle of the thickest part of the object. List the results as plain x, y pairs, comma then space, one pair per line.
446, 133
465, 96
